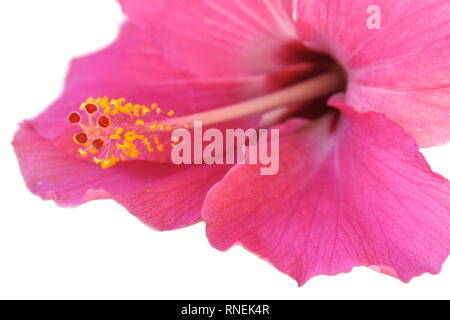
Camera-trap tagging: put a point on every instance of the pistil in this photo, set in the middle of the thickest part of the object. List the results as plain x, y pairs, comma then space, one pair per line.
116, 130
320, 86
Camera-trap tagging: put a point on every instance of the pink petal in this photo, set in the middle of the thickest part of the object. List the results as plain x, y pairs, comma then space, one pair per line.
163, 196
400, 70
356, 194
218, 37
132, 68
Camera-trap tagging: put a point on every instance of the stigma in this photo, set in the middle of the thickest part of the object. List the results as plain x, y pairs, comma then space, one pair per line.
114, 130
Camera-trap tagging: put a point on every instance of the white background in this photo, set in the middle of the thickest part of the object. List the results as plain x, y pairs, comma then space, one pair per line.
99, 250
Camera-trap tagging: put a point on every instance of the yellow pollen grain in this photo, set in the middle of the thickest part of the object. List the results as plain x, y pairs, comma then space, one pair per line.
146, 142
83, 153
116, 109
130, 136
115, 137
105, 164
134, 154
145, 111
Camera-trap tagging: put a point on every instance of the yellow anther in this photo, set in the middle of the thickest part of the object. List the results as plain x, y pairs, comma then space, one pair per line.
97, 160
160, 147
116, 109
130, 136
154, 106
171, 113
114, 159
105, 104
156, 139
108, 111
134, 154
153, 126
129, 145
106, 164
126, 108
83, 153
145, 111
115, 137
146, 142
140, 123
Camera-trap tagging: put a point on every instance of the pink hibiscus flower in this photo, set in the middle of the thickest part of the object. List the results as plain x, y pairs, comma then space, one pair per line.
353, 188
